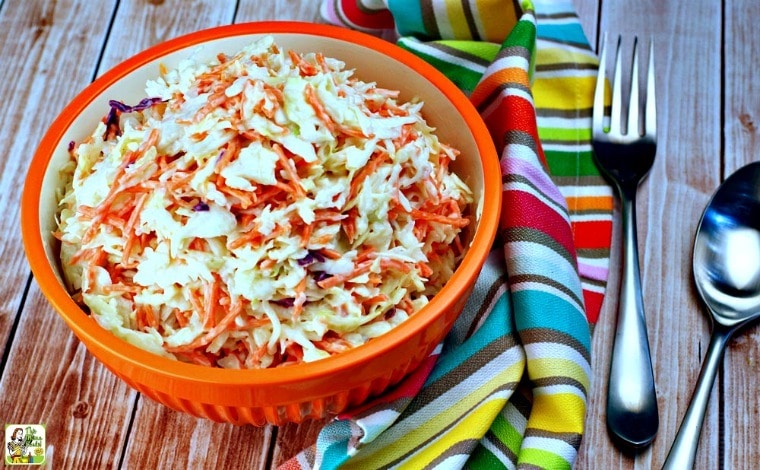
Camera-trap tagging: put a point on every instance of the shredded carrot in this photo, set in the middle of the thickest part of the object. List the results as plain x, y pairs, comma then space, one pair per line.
306, 234
319, 108
339, 279
251, 135
117, 188
195, 357
407, 305
229, 154
267, 264
306, 69
260, 352
295, 351
180, 317
323, 239
211, 299
333, 345
251, 323
330, 215
91, 255
424, 269
291, 172
374, 163
150, 316
441, 219
197, 244
255, 238
367, 252
121, 288
374, 300
300, 298
274, 92
244, 198
349, 225
129, 228
392, 263
217, 98
330, 254
220, 327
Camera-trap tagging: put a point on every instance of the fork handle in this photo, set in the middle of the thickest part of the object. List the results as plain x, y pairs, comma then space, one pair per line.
632, 416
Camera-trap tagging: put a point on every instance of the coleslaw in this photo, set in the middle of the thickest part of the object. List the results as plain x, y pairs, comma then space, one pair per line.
263, 209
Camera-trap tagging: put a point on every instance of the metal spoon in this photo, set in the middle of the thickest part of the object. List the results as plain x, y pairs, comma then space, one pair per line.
727, 274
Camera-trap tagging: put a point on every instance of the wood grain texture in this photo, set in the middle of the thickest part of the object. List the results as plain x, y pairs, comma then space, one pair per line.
39, 41
139, 24
687, 60
741, 377
588, 12
50, 378
283, 10
49, 50
163, 438
293, 438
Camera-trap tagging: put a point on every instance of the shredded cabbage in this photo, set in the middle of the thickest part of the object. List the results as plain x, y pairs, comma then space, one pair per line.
260, 210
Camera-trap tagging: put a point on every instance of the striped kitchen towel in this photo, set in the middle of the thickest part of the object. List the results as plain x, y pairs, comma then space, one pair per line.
508, 387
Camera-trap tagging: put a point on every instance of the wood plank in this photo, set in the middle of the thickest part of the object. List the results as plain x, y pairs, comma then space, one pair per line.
49, 51
141, 24
740, 380
163, 438
292, 439
588, 12
196, 443
670, 202
38, 40
282, 10
51, 379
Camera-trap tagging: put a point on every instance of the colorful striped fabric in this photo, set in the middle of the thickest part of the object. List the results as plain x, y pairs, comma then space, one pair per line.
508, 387
565, 75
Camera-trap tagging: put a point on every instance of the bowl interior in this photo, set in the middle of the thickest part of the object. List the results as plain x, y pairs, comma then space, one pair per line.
374, 60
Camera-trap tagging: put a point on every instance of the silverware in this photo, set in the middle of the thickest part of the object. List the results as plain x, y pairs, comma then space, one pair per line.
625, 158
727, 273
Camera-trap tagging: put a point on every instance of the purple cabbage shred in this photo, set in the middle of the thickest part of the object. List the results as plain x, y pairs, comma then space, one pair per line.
220, 156
201, 207
311, 257
117, 107
286, 302
144, 103
306, 260
320, 275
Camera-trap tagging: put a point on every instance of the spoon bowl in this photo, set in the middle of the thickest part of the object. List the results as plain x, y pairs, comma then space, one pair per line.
727, 249
726, 268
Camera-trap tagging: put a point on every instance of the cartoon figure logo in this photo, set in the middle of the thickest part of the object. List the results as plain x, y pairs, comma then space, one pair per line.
24, 444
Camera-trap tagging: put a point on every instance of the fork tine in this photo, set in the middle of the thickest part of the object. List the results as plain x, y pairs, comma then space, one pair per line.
617, 94
597, 115
633, 103
650, 124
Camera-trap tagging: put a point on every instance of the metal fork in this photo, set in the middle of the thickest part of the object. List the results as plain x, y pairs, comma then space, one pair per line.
625, 159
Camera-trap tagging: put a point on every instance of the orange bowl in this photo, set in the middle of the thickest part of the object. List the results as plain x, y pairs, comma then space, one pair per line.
308, 390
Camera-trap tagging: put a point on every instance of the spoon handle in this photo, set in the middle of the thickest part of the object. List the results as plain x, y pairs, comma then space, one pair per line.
684, 449
632, 416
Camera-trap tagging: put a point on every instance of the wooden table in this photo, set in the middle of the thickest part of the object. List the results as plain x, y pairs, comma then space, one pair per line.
709, 105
